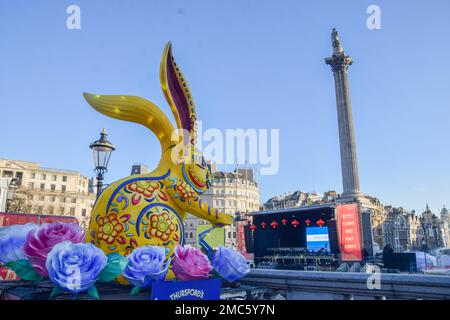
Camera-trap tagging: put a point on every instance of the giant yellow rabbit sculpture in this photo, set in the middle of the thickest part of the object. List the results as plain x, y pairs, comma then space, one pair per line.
149, 209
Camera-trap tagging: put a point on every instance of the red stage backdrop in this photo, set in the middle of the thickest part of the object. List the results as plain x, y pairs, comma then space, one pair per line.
349, 232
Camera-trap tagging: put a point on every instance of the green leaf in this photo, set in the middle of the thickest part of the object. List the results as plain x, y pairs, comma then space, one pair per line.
56, 291
134, 291
93, 292
24, 270
114, 268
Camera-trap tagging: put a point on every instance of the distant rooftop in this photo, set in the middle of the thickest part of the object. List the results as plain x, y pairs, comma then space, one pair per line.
241, 173
31, 165
293, 209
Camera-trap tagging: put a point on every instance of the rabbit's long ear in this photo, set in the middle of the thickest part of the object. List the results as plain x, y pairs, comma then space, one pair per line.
178, 95
134, 109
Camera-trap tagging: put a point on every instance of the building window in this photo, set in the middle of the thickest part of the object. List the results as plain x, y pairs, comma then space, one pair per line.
7, 174
61, 209
63, 188
72, 211
43, 176
33, 175
83, 212
54, 177
19, 177
74, 200
53, 198
64, 178
53, 187
42, 186
63, 199
31, 185
51, 210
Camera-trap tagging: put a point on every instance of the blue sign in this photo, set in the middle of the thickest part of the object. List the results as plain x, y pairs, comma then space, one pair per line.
187, 290
317, 239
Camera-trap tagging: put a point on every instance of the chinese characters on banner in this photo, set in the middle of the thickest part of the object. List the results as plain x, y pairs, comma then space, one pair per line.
349, 232
241, 244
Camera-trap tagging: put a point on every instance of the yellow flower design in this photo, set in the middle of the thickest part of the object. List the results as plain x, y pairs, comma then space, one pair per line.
186, 192
145, 187
109, 228
161, 226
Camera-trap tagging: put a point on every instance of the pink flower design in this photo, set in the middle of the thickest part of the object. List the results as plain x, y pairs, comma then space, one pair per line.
41, 240
190, 264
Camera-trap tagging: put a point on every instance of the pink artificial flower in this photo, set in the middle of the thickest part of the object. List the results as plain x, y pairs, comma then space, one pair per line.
41, 240
190, 264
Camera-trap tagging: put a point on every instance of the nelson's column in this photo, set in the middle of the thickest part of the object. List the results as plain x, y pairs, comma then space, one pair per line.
339, 63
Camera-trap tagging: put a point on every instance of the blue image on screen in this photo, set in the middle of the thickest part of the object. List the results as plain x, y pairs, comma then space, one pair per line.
317, 239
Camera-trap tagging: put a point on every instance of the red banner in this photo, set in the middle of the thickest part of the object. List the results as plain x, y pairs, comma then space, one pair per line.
349, 232
240, 245
8, 218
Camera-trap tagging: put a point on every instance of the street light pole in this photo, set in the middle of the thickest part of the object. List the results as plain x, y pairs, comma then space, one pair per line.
12, 187
102, 150
99, 179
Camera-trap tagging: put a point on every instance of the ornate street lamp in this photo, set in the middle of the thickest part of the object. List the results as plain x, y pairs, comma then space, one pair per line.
12, 187
102, 149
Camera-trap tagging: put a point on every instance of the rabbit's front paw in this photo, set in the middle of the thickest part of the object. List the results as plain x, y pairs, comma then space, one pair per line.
223, 220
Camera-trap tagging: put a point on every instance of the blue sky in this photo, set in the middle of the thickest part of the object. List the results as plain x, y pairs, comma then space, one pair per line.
250, 64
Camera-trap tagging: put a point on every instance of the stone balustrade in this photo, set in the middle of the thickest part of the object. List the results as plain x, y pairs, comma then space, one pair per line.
298, 285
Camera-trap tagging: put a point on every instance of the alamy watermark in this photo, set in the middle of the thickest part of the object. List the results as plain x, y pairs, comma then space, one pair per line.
73, 21
260, 147
373, 21
374, 280
74, 278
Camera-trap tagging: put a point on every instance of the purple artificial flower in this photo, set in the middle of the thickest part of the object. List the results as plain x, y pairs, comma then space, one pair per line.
12, 239
230, 264
190, 264
146, 265
41, 240
75, 267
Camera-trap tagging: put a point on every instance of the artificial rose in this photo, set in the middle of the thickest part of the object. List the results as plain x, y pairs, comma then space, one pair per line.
75, 267
41, 240
229, 264
190, 263
146, 265
12, 239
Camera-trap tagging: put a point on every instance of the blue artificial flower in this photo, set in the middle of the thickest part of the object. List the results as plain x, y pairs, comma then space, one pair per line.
12, 239
75, 267
229, 264
146, 265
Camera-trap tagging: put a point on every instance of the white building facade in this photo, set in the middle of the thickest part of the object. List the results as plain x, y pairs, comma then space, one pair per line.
49, 191
230, 192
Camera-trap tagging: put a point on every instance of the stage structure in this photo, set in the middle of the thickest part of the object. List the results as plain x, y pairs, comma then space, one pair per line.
304, 236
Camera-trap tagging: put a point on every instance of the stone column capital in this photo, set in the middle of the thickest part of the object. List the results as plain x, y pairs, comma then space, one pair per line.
339, 62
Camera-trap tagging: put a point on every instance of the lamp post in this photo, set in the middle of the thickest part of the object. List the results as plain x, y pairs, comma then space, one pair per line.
101, 149
12, 187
